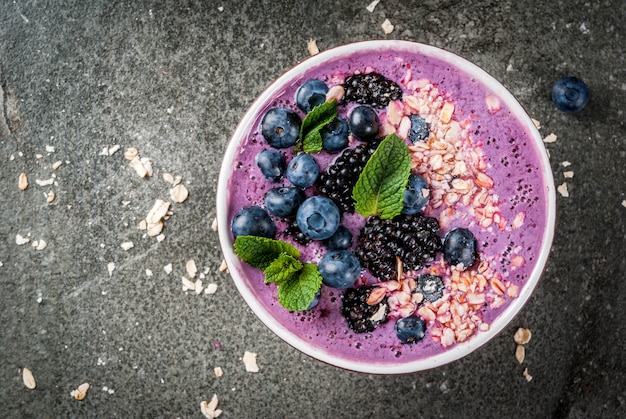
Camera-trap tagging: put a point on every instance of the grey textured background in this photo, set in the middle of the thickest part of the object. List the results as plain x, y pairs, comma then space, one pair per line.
173, 79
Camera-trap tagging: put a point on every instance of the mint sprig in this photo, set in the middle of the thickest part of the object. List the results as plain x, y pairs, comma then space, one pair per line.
310, 138
297, 282
380, 188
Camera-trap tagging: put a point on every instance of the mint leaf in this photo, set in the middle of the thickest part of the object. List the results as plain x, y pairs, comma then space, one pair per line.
260, 252
310, 138
297, 292
380, 188
282, 268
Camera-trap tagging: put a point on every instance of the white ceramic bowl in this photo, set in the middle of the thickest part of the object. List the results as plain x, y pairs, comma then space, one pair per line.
281, 322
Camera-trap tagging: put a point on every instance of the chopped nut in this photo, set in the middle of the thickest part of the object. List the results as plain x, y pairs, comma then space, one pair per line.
127, 245
187, 284
550, 138
168, 178
211, 289
210, 410
110, 268
387, 27
41, 245
56, 165
114, 149
312, 47
80, 392
527, 376
160, 237
46, 182
520, 353
218, 371
249, 360
562, 188
522, 336
168, 268
50, 196
19, 240
142, 225
565, 163
493, 103
149, 273
569, 174
223, 266
22, 181
370, 7
131, 153
191, 268
50, 149
179, 193
28, 378
139, 167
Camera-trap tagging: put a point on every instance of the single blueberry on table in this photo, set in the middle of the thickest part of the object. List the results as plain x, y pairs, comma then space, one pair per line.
272, 164
415, 194
364, 123
339, 269
570, 94
318, 217
341, 240
280, 127
459, 246
335, 135
410, 329
302, 171
253, 221
284, 201
419, 129
311, 94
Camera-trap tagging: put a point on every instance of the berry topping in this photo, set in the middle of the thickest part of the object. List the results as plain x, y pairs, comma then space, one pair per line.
412, 238
318, 217
293, 231
361, 316
419, 129
371, 89
303, 171
284, 202
280, 127
316, 300
341, 240
339, 269
310, 94
459, 246
430, 286
570, 94
364, 123
335, 135
272, 164
415, 195
340, 177
410, 329
253, 221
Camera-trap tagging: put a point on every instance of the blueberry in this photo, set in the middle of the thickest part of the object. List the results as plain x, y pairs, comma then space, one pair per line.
318, 217
410, 329
430, 286
303, 171
419, 129
339, 269
316, 300
272, 164
284, 202
459, 246
364, 123
280, 127
570, 94
253, 221
415, 194
310, 94
335, 135
341, 240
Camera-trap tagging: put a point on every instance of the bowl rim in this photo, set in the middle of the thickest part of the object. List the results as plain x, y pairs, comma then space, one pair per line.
459, 350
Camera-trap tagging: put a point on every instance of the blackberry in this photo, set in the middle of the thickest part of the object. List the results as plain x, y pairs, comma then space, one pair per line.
412, 238
340, 177
371, 89
294, 232
362, 317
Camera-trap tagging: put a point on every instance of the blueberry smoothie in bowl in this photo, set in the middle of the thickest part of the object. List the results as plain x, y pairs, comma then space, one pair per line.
386, 207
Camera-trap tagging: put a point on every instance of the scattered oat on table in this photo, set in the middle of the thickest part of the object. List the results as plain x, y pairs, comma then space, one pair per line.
536, 122
49, 148
22, 181
56, 164
387, 27
131, 153
111, 268
249, 360
550, 138
168, 178
28, 378
211, 288
191, 268
522, 336
520, 353
223, 266
312, 47
566, 163
20, 240
214, 225
624, 203
218, 371
168, 268
569, 174
370, 7
149, 273
527, 376
80, 392
127, 245
40, 244
46, 182
50, 196
179, 193
562, 188
210, 410
160, 237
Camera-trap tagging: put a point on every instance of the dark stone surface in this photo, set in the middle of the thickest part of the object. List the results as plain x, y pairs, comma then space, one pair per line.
173, 79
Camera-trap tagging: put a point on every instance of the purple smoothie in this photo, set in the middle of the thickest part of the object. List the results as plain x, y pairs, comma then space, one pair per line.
509, 238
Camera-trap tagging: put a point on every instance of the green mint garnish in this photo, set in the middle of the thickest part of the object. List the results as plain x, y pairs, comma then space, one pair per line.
380, 188
310, 138
296, 293
297, 283
260, 252
282, 268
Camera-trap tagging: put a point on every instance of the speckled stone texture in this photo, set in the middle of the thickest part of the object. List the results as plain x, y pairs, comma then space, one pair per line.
173, 79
